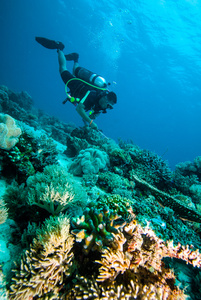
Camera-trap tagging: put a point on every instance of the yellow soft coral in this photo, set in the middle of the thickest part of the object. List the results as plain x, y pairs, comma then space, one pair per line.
50, 189
44, 265
9, 132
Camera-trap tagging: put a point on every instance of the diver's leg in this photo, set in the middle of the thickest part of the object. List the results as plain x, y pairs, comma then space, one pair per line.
62, 61
75, 66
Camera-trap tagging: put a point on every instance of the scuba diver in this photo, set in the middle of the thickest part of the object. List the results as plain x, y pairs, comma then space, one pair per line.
85, 89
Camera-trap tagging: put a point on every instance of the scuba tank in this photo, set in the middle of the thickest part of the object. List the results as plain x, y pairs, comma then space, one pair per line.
90, 77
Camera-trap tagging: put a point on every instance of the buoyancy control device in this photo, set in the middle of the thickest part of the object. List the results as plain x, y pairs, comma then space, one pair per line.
90, 77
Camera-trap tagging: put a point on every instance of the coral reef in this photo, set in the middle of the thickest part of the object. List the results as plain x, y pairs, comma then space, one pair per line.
9, 132
20, 106
131, 268
43, 267
115, 203
187, 178
75, 145
129, 214
95, 228
31, 154
165, 199
50, 189
89, 161
152, 168
111, 181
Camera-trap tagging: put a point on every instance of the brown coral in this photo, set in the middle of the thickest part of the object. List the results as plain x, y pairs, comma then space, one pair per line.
9, 132
45, 264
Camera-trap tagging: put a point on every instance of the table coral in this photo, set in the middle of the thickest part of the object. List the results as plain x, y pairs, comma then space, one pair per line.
9, 132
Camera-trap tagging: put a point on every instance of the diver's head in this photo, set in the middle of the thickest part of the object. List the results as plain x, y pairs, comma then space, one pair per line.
111, 98
107, 99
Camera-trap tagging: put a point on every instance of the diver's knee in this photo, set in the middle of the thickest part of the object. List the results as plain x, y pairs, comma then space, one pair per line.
62, 69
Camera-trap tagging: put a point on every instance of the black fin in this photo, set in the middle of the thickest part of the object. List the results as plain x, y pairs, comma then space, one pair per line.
72, 56
49, 44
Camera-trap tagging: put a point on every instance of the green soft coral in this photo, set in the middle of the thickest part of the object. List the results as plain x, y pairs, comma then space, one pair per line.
96, 227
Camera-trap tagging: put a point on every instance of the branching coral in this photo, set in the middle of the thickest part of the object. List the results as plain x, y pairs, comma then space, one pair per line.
50, 190
9, 132
44, 265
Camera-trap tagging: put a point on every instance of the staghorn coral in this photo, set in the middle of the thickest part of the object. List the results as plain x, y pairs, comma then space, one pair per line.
95, 228
3, 211
9, 132
89, 161
50, 190
43, 267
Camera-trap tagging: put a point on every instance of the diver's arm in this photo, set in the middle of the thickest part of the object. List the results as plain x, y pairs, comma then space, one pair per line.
94, 115
85, 117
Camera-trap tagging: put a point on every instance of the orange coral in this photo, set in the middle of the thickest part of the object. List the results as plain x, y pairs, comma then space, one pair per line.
137, 264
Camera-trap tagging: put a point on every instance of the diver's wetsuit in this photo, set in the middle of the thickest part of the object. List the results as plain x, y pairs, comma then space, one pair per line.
78, 89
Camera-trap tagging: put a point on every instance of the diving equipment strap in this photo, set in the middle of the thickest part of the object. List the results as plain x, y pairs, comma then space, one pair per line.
85, 97
78, 79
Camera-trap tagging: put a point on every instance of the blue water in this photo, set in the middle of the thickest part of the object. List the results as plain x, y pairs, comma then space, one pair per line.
150, 50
